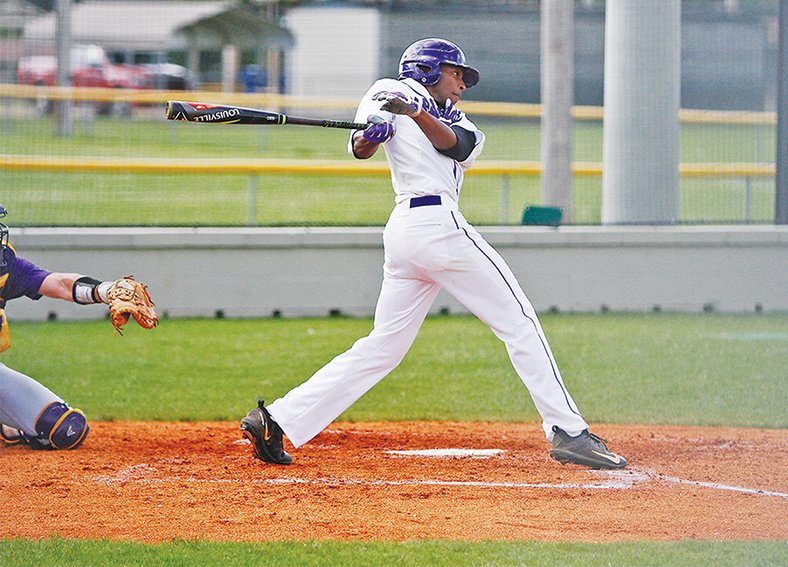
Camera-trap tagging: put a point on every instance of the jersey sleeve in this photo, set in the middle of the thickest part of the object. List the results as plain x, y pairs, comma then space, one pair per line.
24, 279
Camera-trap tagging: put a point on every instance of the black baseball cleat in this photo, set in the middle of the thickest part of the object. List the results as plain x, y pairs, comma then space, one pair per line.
265, 435
586, 449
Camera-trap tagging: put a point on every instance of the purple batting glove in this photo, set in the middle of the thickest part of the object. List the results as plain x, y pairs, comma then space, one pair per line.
379, 130
451, 114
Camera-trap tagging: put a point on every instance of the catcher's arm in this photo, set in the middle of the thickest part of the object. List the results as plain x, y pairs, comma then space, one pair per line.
126, 297
59, 285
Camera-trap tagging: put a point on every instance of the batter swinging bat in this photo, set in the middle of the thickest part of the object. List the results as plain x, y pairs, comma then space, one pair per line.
225, 114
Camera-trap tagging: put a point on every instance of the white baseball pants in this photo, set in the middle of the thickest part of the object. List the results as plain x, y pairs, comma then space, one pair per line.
428, 248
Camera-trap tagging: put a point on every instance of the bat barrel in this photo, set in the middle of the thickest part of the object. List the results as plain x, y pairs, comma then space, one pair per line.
226, 114
169, 108
177, 110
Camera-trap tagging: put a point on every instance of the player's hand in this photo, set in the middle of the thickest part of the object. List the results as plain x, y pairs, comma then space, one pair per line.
399, 103
379, 131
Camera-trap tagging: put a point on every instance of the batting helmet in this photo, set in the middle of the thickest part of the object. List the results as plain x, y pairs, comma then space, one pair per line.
422, 61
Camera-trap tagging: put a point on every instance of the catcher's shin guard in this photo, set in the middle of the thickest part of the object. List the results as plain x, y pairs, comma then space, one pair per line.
63, 427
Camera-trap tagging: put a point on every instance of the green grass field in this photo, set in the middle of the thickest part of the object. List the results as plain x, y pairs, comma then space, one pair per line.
665, 368
68, 553
222, 200
705, 369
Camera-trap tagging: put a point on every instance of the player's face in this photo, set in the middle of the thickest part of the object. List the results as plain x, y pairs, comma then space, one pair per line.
450, 85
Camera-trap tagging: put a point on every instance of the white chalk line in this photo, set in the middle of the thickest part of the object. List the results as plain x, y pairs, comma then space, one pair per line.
718, 486
444, 453
616, 481
607, 480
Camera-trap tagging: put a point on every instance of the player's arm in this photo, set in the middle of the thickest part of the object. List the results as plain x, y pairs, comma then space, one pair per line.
441, 136
452, 141
366, 142
126, 297
363, 148
74, 287
58, 285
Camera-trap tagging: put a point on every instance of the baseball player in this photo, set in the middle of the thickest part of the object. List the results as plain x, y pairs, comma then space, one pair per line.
429, 143
30, 413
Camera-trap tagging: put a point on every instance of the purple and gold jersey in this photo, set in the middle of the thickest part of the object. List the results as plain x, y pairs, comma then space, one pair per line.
19, 277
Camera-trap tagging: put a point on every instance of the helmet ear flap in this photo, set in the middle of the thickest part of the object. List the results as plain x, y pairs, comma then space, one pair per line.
421, 72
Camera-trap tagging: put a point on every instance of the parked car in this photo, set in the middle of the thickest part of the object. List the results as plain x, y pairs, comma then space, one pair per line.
165, 76
91, 67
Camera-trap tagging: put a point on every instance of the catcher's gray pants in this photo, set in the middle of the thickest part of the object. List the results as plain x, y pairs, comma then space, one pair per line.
22, 399
429, 248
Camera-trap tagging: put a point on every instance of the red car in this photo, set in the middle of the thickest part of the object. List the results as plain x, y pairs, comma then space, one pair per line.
90, 67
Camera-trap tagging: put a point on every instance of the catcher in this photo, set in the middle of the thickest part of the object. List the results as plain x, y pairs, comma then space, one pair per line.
30, 413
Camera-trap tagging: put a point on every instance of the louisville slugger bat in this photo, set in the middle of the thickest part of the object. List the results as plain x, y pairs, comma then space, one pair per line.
226, 114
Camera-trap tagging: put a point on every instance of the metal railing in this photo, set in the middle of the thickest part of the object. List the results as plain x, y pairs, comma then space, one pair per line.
254, 168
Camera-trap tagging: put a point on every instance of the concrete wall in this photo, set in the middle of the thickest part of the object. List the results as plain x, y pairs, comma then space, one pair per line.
312, 271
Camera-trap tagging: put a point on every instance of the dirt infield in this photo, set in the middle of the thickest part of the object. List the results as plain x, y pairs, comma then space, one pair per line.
153, 482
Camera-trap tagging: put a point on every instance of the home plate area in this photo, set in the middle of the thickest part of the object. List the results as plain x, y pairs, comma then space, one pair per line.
158, 481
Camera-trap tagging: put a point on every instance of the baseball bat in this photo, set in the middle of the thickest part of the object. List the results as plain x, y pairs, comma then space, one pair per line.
226, 114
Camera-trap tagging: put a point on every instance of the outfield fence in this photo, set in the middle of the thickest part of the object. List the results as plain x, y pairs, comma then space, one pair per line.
253, 169
112, 171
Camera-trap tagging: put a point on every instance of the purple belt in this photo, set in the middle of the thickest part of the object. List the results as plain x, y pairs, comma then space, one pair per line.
425, 201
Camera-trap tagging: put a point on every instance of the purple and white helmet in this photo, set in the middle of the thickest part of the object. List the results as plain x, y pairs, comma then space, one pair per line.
421, 61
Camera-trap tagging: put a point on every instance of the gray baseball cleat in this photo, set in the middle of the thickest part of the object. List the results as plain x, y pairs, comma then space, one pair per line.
265, 435
585, 449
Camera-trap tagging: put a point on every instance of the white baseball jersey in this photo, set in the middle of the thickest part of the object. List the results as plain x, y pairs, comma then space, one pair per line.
416, 168
429, 246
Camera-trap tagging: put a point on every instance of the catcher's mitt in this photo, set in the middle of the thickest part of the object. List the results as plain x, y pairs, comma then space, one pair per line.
128, 297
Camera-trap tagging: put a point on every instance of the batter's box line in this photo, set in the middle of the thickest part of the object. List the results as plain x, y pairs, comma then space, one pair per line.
716, 485
613, 480
144, 473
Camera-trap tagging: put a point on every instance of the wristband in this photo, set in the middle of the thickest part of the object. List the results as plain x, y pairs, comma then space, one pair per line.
83, 290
